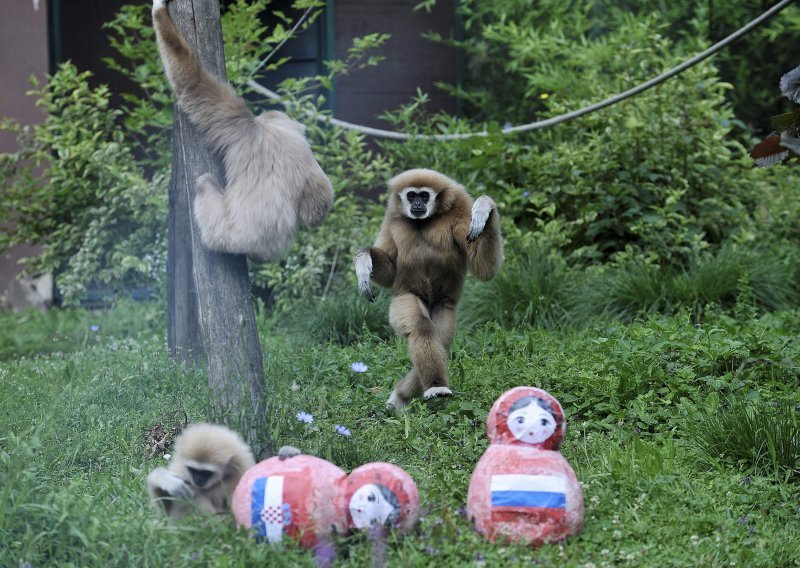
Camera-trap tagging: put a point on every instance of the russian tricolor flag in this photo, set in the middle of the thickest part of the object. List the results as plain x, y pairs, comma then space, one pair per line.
529, 491
269, 513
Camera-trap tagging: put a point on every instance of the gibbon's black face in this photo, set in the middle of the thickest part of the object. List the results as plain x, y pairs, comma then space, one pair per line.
418, 202
203, 475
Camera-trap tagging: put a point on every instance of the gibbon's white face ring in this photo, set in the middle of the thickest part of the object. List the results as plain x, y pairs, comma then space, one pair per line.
427, 195
369, 507
531, 424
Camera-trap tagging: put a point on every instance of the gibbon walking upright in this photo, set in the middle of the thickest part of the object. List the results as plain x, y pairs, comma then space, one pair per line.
274, 183
431, 234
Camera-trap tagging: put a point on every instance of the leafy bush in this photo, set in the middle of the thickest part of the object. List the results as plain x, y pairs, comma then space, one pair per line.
74, 187
656, 176
717, 278
534, 288
753, 434
342, 316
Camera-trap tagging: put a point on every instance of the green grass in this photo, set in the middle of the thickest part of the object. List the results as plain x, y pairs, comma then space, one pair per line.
73, 456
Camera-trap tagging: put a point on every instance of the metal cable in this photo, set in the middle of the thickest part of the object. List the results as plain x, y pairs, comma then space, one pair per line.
379, 133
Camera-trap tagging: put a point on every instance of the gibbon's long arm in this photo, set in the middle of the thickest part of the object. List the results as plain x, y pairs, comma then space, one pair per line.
165, 487
211, 105
483, 238
378, 262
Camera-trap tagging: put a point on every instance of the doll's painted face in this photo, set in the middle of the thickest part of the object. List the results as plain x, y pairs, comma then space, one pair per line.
531, 420
373, 504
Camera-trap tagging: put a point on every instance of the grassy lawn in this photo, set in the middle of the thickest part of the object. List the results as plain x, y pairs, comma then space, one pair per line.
685, 438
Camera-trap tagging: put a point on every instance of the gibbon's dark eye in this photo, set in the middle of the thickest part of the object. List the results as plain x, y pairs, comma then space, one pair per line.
545, 422
520, 419
371, 498
425, 196
411, 196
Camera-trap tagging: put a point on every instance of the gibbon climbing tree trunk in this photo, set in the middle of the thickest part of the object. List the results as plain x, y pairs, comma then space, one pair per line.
211, 314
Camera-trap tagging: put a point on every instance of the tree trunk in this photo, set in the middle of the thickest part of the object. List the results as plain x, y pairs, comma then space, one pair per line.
209, 292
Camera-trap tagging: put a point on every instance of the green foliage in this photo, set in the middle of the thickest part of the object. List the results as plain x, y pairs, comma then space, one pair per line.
762, 437
657, 176
74, 187
534, 288
73, 457
707, 279
32, 333
345, 317
536, 51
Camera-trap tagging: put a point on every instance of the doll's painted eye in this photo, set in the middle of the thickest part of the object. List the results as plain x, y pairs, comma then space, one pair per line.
520, 419
545, 422
371, 498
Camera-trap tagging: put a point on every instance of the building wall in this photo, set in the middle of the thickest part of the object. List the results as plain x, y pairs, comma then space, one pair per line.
23, 52
411, 61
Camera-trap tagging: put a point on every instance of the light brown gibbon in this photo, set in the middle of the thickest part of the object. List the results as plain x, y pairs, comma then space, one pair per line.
431, 234
207, 464
274, 183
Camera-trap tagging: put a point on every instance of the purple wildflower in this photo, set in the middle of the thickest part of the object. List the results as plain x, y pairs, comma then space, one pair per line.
342, 430
324, 554
359, 367
95, 328
304, 417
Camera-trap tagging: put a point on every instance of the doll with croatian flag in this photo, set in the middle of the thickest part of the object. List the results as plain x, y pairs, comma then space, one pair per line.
309, 499
522, 488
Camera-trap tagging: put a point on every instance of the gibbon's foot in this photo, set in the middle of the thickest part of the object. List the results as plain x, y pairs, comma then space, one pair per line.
363, 262
481, 211
207, 182
395, 403
434, 392
288, 452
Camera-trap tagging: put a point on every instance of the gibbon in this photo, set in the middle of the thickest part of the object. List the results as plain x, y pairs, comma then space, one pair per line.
274, 183
431, 234
208, 462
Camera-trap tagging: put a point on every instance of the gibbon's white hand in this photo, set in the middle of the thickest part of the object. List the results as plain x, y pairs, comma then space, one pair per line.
363, 263
481, 211
175, 486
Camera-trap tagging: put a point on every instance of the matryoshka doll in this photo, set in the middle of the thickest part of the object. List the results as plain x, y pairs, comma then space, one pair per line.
522, 488
309, 499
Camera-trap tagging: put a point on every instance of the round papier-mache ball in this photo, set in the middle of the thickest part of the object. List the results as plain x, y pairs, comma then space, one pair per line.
395, 486
296, 496
523, 489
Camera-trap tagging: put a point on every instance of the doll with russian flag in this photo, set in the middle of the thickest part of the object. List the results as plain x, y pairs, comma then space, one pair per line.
309, 499
523, 489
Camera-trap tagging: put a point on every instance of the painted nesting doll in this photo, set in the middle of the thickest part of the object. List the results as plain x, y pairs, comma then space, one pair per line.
522, 488
309, 498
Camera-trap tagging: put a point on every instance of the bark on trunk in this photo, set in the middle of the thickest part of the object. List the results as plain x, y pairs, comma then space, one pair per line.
209, 293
